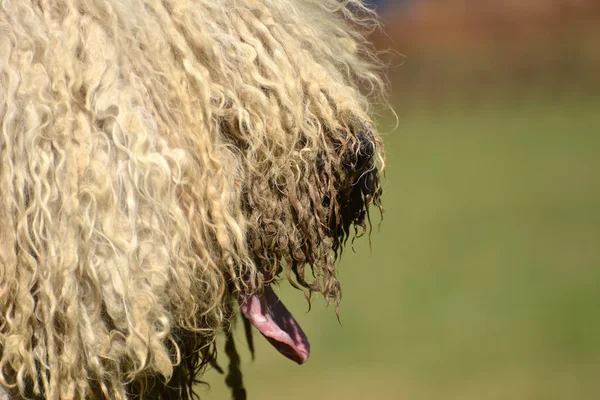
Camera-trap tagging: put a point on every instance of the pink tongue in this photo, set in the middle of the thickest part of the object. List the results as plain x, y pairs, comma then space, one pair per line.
268, 314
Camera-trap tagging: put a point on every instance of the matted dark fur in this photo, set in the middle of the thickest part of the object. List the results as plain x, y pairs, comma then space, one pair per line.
159, 159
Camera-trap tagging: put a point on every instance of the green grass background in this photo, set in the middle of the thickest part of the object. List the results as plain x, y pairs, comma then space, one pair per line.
484, 279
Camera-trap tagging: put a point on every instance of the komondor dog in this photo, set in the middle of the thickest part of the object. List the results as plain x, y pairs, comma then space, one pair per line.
162, 162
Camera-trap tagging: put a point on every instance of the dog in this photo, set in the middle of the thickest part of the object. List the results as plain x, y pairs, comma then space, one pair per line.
162, 163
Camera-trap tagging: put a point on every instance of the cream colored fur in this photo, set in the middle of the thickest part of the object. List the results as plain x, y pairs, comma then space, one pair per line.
158, 156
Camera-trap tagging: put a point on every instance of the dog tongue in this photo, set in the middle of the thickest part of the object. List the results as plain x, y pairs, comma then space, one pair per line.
268, 314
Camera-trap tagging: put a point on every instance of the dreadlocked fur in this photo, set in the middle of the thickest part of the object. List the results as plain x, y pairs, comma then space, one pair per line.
158, 156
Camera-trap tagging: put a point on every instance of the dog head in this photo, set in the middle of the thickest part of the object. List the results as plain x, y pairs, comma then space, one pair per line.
161, 158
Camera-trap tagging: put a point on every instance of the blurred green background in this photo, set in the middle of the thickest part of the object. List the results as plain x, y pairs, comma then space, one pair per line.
483, 281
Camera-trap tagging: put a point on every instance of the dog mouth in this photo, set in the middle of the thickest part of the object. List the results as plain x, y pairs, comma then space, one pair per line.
271, 318
315, 239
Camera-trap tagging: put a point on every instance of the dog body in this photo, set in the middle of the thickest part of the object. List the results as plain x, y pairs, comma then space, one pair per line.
158, 158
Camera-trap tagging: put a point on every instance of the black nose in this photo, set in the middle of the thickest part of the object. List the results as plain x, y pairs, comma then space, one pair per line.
366, 150
359, 153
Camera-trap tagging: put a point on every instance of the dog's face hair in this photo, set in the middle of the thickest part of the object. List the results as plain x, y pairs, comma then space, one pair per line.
160, 160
